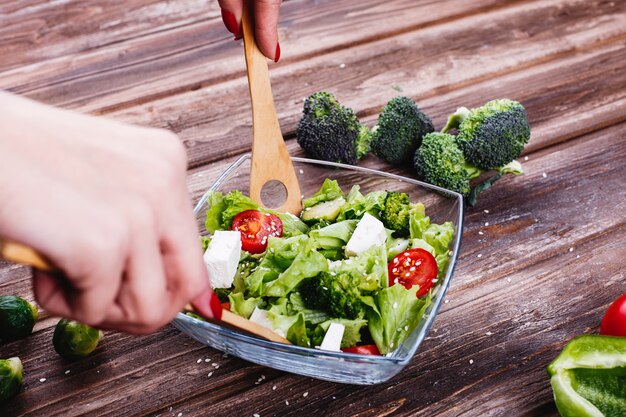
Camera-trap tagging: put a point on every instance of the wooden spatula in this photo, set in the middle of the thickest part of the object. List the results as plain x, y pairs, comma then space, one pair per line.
21, 254
271, 164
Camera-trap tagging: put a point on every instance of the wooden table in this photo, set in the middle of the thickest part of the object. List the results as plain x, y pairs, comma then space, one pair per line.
543, 254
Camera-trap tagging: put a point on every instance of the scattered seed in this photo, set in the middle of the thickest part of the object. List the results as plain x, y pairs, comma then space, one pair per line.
305, 394
286, 402
486, 224
274, 388
571, 249
544, 175
342, 66
210, 374
446, 301
481, 233
479, 255
471, 361
488, 333
42, 380
486, 211
199, 360
525, 158
67, 372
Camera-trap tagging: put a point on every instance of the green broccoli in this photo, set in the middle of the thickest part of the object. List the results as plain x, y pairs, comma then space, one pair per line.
440, 161
337, 295
332, 132
400, 129
396, 214
492, 135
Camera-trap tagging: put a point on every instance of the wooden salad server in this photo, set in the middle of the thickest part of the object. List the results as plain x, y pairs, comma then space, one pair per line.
21, 254
271, 163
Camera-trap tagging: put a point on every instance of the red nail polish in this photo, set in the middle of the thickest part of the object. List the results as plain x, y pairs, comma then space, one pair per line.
231, 22
238, 37
216, 306
277, 54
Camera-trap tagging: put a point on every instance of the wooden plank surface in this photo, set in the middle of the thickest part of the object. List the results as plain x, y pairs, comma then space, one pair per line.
551, 245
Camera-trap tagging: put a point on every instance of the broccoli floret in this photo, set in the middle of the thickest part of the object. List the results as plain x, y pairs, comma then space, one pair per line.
440, 161
400, 129
397, 213
337, 295
330, 131
492, 135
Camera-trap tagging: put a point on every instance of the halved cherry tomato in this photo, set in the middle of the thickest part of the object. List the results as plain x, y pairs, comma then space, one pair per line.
614, 321
363, 350
413, 267
226, 306
255, 228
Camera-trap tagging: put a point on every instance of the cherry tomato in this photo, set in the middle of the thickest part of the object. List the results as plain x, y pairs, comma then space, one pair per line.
413, 267
363, 350
255, 228
226, 306
614, 321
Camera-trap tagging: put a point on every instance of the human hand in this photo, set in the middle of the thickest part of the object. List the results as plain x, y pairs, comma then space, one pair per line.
107, 204
265, 23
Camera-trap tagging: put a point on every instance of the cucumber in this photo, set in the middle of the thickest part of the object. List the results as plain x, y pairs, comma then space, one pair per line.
328, 210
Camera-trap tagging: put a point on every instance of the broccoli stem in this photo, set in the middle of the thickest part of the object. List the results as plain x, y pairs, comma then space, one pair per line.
456, 118
471, 198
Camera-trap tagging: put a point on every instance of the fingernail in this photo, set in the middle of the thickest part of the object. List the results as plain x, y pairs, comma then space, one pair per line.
216, 306
277, 54
231, 22
238, 37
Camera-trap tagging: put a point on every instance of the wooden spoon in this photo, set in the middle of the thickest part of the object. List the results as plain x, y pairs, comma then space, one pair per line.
271, 163
21, 254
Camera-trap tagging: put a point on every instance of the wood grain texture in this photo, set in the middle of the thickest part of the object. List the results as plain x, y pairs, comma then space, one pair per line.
537, 269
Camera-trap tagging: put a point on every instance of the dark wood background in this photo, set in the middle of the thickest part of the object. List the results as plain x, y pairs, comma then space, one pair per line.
543, 254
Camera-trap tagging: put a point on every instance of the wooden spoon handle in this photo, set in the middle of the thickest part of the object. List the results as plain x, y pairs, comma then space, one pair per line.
21, 254
270, 158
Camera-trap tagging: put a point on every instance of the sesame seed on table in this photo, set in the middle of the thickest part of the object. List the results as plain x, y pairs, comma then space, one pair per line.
532, 245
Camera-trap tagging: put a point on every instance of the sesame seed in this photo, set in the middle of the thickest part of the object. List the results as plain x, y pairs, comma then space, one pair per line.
210, 373
571, 249
412, 269
471, 361
577, 256
508, 280
180, 414
486, 211
525, 158
274, 388
199, 360
256, 415
481, 233
479, 255
394, 270
216, 366
42, 380
395, 305
342, 66
488, 333
446, 301
408, 274
301, 171
286, 402
486, 224
305, 394
406, 328
67, 372
544, 175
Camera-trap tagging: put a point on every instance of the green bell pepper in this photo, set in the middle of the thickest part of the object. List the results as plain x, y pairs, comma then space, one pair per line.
588, 378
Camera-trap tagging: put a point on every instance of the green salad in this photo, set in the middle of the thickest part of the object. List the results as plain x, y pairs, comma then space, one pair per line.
353, 272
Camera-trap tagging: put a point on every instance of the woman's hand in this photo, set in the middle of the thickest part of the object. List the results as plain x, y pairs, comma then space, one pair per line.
265, 23
107, 203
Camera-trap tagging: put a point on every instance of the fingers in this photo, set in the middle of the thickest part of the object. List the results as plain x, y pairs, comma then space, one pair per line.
50, 293
266, 13
231, 16
266, 27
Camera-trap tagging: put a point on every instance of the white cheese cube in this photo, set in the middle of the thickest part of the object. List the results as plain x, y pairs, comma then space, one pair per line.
259, 316
369, 232
332, 339
222, 258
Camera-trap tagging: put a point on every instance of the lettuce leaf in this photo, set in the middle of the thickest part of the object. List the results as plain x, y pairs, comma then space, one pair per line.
332, 239
357, 204
396, 314
370, 266
242, 306
351, 334
309, 263
330, 191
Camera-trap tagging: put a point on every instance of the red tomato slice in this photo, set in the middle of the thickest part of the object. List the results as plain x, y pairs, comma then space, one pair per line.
255, 228
413, 267
614, 321
363, 350
226, 306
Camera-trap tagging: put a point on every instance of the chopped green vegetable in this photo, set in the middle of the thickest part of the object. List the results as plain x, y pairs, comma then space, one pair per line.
17, 318
400, 129
10, 378
73, 340
589, 377
325, 211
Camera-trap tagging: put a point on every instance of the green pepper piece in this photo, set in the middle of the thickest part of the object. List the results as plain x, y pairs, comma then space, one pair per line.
10, 378
588, 378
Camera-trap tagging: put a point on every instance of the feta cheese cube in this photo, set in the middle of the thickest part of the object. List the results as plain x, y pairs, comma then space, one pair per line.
369, 232
332, 339
222, 258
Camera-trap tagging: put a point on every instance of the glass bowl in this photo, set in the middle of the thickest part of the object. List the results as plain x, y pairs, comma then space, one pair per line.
441, 205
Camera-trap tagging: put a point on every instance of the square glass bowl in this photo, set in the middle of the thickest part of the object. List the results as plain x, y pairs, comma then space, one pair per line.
441, 206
